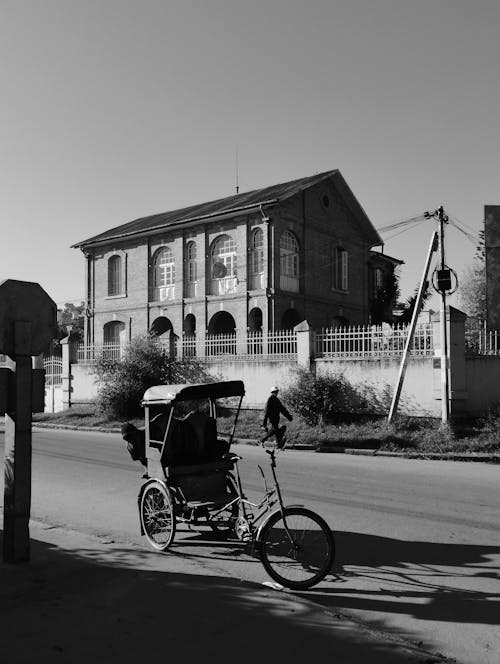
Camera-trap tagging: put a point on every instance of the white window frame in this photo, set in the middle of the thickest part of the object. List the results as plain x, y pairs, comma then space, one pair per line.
224, 251
164, 274
256, 262
117, 275
289, 262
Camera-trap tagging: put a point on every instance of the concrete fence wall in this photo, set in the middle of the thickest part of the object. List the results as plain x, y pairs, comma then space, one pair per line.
474, 381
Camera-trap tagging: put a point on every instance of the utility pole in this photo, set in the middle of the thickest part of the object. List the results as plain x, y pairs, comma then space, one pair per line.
445, 389
443, 285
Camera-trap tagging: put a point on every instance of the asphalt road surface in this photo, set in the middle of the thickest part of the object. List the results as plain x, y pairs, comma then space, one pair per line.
418, 542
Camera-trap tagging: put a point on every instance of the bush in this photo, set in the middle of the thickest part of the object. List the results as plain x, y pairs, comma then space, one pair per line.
122, 383
331, 397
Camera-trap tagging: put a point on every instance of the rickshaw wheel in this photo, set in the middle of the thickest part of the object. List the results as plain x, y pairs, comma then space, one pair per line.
157, 515
223, 524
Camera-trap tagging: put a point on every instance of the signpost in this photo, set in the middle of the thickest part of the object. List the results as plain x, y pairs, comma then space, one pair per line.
27, 326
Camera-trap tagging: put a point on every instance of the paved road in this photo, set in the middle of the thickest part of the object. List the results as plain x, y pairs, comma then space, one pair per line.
418, 541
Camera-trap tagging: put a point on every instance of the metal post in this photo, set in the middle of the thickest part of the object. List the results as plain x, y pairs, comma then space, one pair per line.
17, 489
418, 303
445, 391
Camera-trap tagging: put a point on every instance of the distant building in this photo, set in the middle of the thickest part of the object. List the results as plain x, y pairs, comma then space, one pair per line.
261, 260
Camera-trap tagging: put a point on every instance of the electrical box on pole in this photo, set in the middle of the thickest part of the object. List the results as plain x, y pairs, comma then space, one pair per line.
27, 326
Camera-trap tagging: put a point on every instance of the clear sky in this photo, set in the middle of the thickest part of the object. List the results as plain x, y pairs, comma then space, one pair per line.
116, 109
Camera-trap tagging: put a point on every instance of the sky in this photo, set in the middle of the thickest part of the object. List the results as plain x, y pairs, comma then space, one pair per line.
116, 109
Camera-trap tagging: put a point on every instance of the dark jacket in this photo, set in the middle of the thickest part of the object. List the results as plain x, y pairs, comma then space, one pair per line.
272, 411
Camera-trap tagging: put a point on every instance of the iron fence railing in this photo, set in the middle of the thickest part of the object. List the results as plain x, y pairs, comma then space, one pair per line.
373, 341
479, 339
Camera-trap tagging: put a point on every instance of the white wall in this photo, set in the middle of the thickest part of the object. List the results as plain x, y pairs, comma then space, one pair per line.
259, 377
417, 396
83, 383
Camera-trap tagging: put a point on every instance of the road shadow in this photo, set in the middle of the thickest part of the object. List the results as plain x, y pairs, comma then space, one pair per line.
426, 579
123, 605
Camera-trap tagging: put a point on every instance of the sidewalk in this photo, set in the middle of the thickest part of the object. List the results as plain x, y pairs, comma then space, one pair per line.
84, 599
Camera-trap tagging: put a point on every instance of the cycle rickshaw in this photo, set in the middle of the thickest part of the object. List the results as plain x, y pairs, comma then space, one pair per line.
193, 477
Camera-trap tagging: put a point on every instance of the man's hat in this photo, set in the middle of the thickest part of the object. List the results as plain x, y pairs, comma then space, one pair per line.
275, 389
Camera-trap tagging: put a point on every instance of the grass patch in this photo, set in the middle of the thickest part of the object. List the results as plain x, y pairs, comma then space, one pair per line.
407, 434
82, 415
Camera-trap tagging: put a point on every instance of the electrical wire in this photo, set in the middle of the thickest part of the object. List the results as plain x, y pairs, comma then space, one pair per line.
407, 228
402, 222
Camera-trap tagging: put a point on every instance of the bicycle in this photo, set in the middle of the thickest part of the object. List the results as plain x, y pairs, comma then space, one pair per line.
294, 544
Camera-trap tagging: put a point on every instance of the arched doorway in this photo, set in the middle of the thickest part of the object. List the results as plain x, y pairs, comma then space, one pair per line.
222, 323
254, 341
160, 325
189, 337
114, 337
221, 334
255, 320
190, 325
290, 319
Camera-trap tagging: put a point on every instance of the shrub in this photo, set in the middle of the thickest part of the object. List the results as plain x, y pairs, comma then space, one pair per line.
122, 383
331, 397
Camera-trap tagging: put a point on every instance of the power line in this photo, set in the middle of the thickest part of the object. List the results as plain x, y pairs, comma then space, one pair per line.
402, 222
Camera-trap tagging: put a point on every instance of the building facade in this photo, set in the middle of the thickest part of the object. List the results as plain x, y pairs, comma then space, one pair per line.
261, 260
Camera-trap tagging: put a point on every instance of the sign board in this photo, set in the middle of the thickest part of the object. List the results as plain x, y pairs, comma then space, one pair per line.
28, 318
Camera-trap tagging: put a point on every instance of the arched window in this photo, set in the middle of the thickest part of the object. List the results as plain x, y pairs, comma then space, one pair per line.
163, 275
257, 260
289, 262
223, 267
191, 273
115, 281
114, 337
340, 268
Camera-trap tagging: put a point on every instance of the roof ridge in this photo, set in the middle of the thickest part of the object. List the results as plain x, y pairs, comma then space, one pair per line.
214, 207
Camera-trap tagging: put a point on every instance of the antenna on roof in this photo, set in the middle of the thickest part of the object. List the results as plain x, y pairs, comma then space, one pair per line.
237, 183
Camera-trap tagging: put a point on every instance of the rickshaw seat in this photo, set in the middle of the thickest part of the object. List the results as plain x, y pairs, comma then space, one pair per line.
199, 468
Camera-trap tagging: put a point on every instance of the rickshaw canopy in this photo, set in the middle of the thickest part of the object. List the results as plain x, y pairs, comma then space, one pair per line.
163, 394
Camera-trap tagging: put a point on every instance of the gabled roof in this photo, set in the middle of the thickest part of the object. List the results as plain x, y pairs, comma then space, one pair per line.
225, 206
386, 257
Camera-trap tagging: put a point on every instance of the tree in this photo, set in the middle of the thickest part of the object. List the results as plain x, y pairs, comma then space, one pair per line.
385, 299
71, 315
472, 289
122, 382
408, 305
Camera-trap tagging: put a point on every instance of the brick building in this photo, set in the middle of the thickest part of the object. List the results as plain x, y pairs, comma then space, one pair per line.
265, 259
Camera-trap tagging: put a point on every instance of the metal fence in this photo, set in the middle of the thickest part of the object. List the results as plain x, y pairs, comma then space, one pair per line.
479, 340
373, 341
90, 353
277, 344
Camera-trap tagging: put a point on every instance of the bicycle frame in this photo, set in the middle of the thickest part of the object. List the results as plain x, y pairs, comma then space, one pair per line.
264, 508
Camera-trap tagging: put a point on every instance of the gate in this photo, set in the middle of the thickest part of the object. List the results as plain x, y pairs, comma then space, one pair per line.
53, 383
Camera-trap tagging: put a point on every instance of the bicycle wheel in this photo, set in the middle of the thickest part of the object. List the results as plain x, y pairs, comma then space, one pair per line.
304, 560
222, 521
157, 515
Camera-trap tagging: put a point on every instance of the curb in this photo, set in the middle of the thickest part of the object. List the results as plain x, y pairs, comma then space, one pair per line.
428, 456
73, 427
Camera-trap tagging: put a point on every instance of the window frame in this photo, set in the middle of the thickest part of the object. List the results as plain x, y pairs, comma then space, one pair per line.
116, 275
289, 255
340, 268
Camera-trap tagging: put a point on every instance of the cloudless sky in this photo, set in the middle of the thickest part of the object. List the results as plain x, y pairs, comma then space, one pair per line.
116, 109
